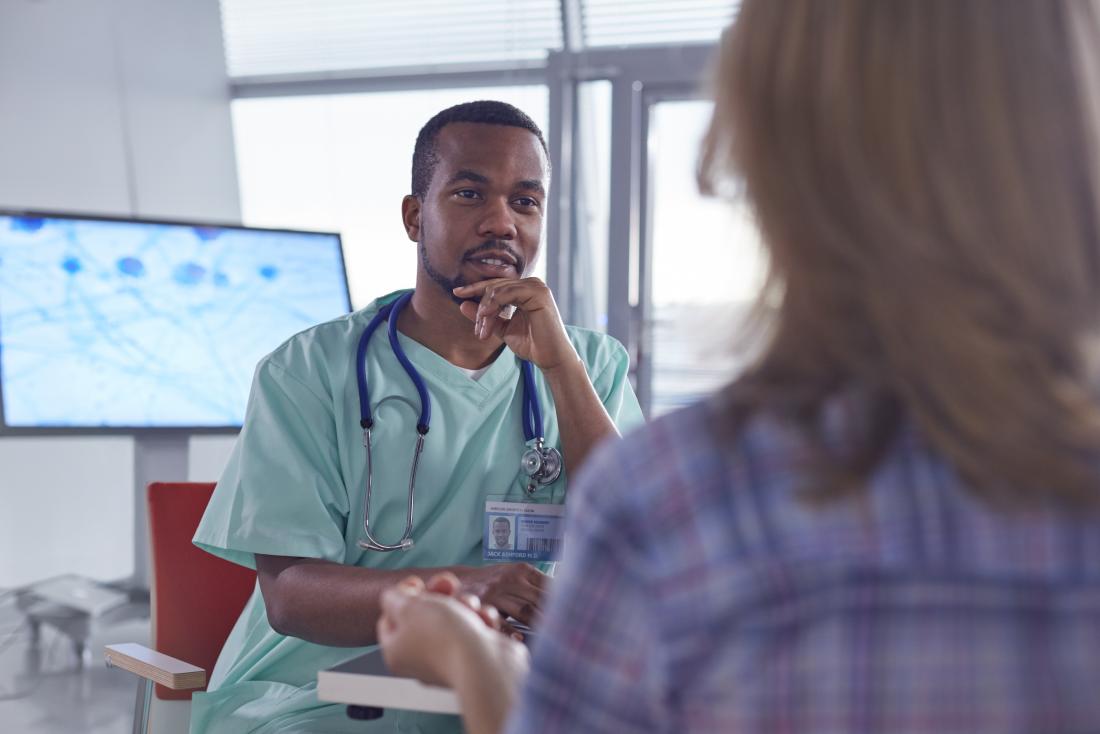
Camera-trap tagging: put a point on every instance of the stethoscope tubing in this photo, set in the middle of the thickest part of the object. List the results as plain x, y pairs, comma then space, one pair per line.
410, 370
532, 415
390, 314
532, 411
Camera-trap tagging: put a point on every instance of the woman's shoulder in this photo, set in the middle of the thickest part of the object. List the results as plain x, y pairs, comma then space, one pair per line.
741, 482
696, 462
707, 439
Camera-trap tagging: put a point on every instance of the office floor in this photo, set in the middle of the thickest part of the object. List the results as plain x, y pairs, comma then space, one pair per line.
44, 691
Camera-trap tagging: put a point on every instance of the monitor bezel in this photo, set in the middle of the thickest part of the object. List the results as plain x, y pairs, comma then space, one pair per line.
9, 430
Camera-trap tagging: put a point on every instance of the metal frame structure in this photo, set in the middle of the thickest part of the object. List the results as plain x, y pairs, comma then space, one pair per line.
640, 77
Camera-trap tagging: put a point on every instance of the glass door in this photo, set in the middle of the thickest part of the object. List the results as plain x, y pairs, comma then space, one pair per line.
702, 266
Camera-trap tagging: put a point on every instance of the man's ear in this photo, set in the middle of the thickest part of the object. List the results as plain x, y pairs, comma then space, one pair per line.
410, 215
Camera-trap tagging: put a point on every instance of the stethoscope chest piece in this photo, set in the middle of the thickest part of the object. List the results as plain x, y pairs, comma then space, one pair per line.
541, 465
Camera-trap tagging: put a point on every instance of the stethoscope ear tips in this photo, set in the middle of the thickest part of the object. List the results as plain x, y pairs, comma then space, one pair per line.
376, 546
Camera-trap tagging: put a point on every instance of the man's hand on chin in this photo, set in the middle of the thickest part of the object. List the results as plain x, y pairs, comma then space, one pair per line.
522, 313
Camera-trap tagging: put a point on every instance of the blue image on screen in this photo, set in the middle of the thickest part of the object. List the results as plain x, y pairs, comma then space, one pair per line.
135, 324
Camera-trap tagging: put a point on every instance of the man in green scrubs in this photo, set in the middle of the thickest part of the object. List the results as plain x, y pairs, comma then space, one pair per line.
291, 500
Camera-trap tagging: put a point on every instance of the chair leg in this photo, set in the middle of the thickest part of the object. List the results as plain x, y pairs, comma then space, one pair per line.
141, 705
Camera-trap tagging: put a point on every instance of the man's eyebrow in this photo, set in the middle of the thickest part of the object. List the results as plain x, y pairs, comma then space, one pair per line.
532, 185
467, 175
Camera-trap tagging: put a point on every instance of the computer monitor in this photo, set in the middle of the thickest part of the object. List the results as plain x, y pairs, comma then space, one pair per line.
112, 325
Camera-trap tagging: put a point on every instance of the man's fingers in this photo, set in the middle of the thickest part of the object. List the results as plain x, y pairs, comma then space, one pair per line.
498, 300
468, 309
525, 582
516, 610
508, 605
473, 290
473, 312
519, 607
515, 293
537, 578
526, 612
490, 326
497, 293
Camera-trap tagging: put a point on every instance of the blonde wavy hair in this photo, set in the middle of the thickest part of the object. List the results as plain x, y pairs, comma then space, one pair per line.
925, 177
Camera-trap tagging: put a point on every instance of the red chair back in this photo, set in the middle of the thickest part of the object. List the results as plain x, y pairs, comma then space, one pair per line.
196, 597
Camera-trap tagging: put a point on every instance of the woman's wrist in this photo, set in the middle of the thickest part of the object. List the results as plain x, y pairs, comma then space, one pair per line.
486, 676
472, 656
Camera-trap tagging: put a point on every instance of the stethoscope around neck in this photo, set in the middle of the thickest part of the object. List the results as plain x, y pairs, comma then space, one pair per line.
541, 464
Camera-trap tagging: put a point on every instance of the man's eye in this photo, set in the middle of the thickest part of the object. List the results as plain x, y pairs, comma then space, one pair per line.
466, 194
527, 201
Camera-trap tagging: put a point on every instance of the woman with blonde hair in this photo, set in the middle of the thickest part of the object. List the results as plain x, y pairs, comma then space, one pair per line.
889, 523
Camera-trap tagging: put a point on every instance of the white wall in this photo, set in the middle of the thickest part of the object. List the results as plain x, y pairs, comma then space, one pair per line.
115, 107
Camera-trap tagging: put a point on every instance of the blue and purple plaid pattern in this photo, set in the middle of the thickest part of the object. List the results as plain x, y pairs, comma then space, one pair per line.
700, 593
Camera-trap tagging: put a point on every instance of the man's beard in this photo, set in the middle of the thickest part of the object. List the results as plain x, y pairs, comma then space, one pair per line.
449, 284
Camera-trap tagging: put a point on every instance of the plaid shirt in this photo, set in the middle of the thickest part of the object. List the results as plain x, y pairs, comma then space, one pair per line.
700, 594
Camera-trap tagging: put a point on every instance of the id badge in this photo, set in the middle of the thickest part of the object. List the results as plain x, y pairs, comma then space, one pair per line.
520, 531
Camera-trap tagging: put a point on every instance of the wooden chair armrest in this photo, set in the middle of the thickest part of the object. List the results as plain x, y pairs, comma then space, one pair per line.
157, 667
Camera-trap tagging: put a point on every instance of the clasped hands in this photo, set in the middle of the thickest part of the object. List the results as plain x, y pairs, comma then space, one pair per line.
438, 633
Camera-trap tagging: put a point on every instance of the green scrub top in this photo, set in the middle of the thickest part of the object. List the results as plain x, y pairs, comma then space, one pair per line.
295, 486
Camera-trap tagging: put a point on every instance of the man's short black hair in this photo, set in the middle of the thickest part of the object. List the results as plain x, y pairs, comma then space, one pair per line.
486, 112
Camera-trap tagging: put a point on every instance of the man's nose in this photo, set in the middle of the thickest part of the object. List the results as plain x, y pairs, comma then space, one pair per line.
499, 221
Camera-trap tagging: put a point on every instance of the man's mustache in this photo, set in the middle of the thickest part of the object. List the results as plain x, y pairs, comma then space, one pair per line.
498, 245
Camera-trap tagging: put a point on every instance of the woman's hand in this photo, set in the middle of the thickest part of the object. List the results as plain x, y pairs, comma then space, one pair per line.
440, 636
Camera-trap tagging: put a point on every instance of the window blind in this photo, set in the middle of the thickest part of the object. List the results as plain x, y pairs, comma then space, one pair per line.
265, 37
631, 22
